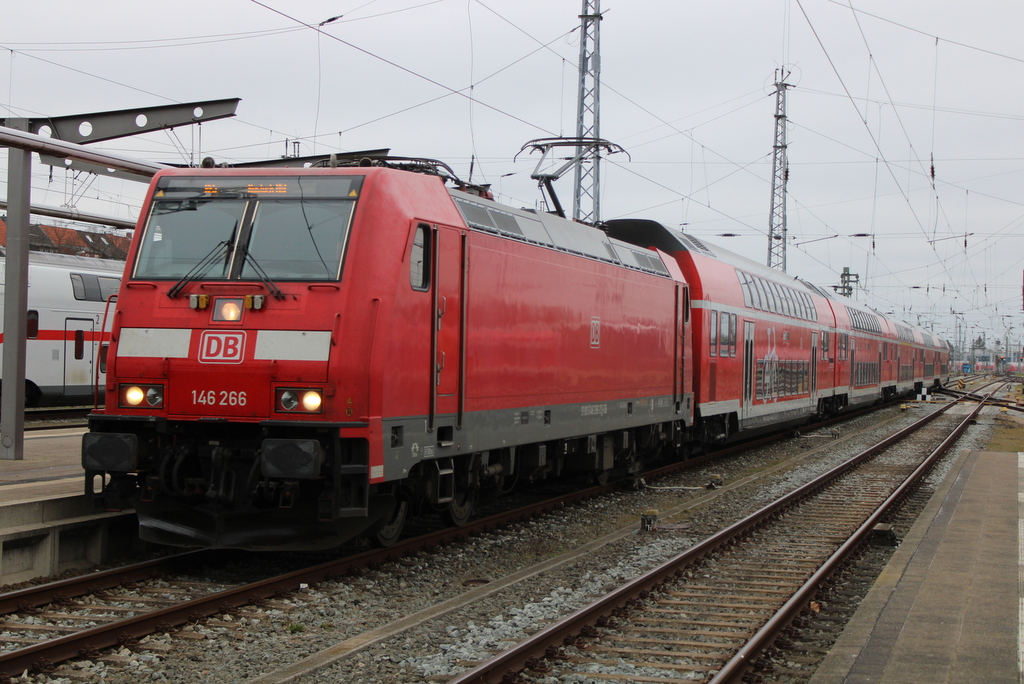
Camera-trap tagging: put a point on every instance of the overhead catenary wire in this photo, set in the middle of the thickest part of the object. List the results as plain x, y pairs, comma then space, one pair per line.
710, 179
861, 116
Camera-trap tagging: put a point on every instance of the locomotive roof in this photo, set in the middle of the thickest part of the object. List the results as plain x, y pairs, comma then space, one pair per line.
555, 232
71, 261
654, 234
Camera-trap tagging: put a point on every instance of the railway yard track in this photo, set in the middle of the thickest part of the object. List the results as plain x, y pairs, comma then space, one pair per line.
725, 606
49, 417
425, 609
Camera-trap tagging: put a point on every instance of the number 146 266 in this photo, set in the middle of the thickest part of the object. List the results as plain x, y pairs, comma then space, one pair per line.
218, 398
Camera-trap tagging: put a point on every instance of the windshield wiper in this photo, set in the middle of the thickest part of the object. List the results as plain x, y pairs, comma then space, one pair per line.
197, 271
274, 289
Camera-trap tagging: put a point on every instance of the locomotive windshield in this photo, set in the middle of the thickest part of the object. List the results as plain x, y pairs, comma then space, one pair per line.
248, 228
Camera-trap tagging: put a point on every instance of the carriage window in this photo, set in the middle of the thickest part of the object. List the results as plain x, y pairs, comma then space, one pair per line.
419, 259
824, 346
79, 344
732, 335
108, 287
713, 343
103, 357
769, 296
33, 325
776, 298
760, 294
787, 301
725, 334
755, 294
745, 285
78, 285
90, 287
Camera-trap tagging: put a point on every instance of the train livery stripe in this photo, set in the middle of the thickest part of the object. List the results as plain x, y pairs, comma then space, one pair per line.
65, 336
168, 343
293, 345
174, 343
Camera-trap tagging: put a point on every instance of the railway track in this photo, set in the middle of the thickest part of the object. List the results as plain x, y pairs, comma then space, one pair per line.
1007, 404
157, 596
723, 609
56, 416
51, 623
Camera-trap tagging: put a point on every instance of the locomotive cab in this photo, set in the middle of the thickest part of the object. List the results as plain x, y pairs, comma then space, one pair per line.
223, 414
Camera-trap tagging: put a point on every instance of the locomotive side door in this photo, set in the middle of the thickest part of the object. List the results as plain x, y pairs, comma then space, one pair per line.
79, 352
448, 332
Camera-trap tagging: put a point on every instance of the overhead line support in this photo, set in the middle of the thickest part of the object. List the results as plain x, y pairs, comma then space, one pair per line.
586, 201
780, 176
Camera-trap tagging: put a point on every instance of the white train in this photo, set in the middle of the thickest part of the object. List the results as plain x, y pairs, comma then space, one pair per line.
67, 297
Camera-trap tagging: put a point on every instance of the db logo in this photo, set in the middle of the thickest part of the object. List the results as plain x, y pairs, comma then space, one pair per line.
221, 347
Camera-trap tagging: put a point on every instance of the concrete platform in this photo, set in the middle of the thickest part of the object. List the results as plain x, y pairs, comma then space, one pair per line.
52, 466
947, 607
47, 525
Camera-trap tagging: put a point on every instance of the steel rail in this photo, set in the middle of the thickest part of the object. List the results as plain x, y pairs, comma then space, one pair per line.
43, 594
515, 659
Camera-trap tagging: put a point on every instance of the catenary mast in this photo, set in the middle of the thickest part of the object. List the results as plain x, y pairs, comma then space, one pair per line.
586, 202
780, 175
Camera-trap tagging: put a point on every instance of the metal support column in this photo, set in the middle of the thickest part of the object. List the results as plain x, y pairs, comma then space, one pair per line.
780, 177
12, 401
587, 189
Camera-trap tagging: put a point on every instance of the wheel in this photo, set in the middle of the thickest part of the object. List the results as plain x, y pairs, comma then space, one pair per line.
457, 513
389, 533
601, 478
32, 393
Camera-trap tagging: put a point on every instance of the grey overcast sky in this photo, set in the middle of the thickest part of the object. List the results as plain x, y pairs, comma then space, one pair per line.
880, 92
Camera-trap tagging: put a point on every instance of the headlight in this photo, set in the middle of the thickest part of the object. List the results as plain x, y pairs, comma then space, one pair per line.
228, 309
311, 401
141, 396
289, 400
299, 400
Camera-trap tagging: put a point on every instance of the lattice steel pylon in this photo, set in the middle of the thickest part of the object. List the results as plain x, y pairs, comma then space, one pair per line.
586, 198
780, 176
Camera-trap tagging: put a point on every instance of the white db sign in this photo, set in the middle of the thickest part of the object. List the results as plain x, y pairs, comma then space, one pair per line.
221, 347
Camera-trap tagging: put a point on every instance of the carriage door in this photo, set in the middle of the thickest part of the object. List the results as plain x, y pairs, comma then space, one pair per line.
79, 352
679, 345
448, 333
853, 365
814, 370
748, 367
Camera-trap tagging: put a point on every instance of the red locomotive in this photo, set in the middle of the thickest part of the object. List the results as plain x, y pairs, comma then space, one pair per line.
303, 356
